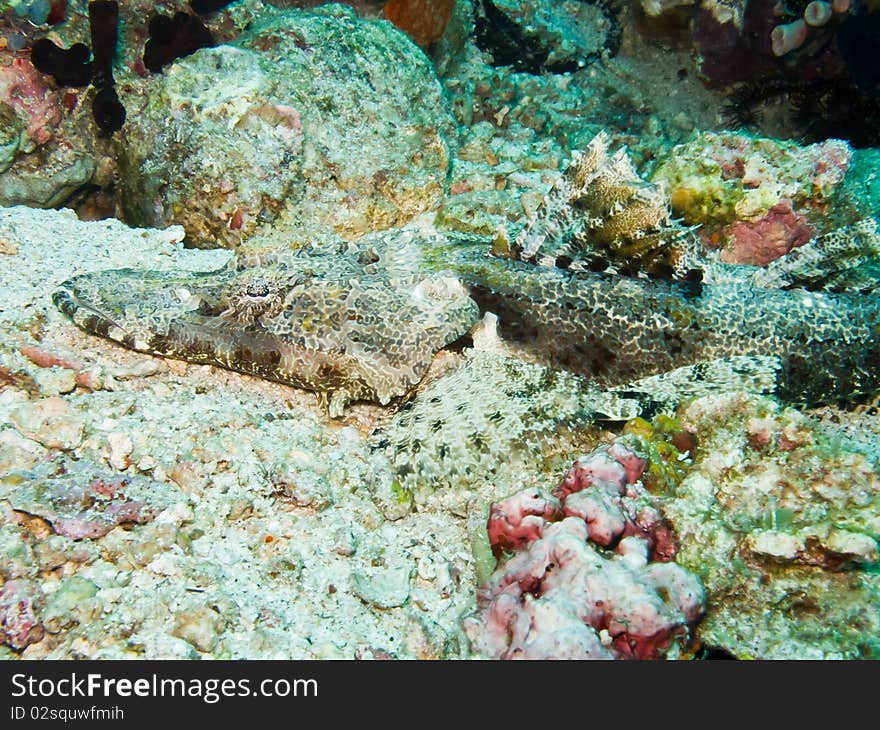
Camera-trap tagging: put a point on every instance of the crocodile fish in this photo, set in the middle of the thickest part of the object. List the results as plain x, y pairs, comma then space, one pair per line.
363, 321
351, 331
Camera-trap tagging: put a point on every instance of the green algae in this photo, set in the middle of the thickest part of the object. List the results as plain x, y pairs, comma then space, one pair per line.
667, 465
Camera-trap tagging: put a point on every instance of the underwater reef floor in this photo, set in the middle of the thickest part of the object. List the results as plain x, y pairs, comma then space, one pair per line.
152, 508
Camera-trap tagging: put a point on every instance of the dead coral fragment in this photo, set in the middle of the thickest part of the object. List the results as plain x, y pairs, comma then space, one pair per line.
781, 524
81, 500
600, 211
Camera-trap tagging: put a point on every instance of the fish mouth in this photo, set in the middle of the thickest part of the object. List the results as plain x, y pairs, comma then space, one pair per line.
130, 307
169, 315
70, 300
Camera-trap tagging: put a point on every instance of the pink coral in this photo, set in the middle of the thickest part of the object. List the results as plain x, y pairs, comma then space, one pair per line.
603, 490
519, 519
563, 599
764, 240
23, 88
560, 596
20, 624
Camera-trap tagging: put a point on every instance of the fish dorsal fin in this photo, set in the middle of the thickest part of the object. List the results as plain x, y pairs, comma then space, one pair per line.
599, 214
846, 259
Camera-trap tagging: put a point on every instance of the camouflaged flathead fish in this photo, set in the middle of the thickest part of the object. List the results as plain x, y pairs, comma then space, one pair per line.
600, 282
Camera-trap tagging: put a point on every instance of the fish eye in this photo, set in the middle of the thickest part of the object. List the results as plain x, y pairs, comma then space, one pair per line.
258, 289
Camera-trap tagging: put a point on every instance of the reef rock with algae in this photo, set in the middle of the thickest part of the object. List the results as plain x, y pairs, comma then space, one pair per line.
780, 523
755, 198
312, 118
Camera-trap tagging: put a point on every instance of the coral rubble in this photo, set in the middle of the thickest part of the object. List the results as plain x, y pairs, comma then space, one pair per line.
780, 523
79, 500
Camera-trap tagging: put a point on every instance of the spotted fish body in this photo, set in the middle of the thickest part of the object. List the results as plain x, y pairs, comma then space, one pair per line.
345, 325
617, 329
368, 331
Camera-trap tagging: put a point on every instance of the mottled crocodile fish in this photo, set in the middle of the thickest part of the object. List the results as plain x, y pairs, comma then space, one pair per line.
324, 323
364, 322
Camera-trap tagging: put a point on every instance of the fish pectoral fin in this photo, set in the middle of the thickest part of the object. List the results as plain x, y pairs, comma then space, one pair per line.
613, 406
842, 260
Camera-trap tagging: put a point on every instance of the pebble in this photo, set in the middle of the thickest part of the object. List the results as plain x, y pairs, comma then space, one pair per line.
20, 607
344, 543
55, 380
199, 627
50, 422
239, 508
189, 476
148, 542
10, 248
71, 604
16, 555
120, 449
143, 368
862, 547
58, 550
383, 587
305, 490
18, 452
393, 500
779, 545
162, 646
425, 640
